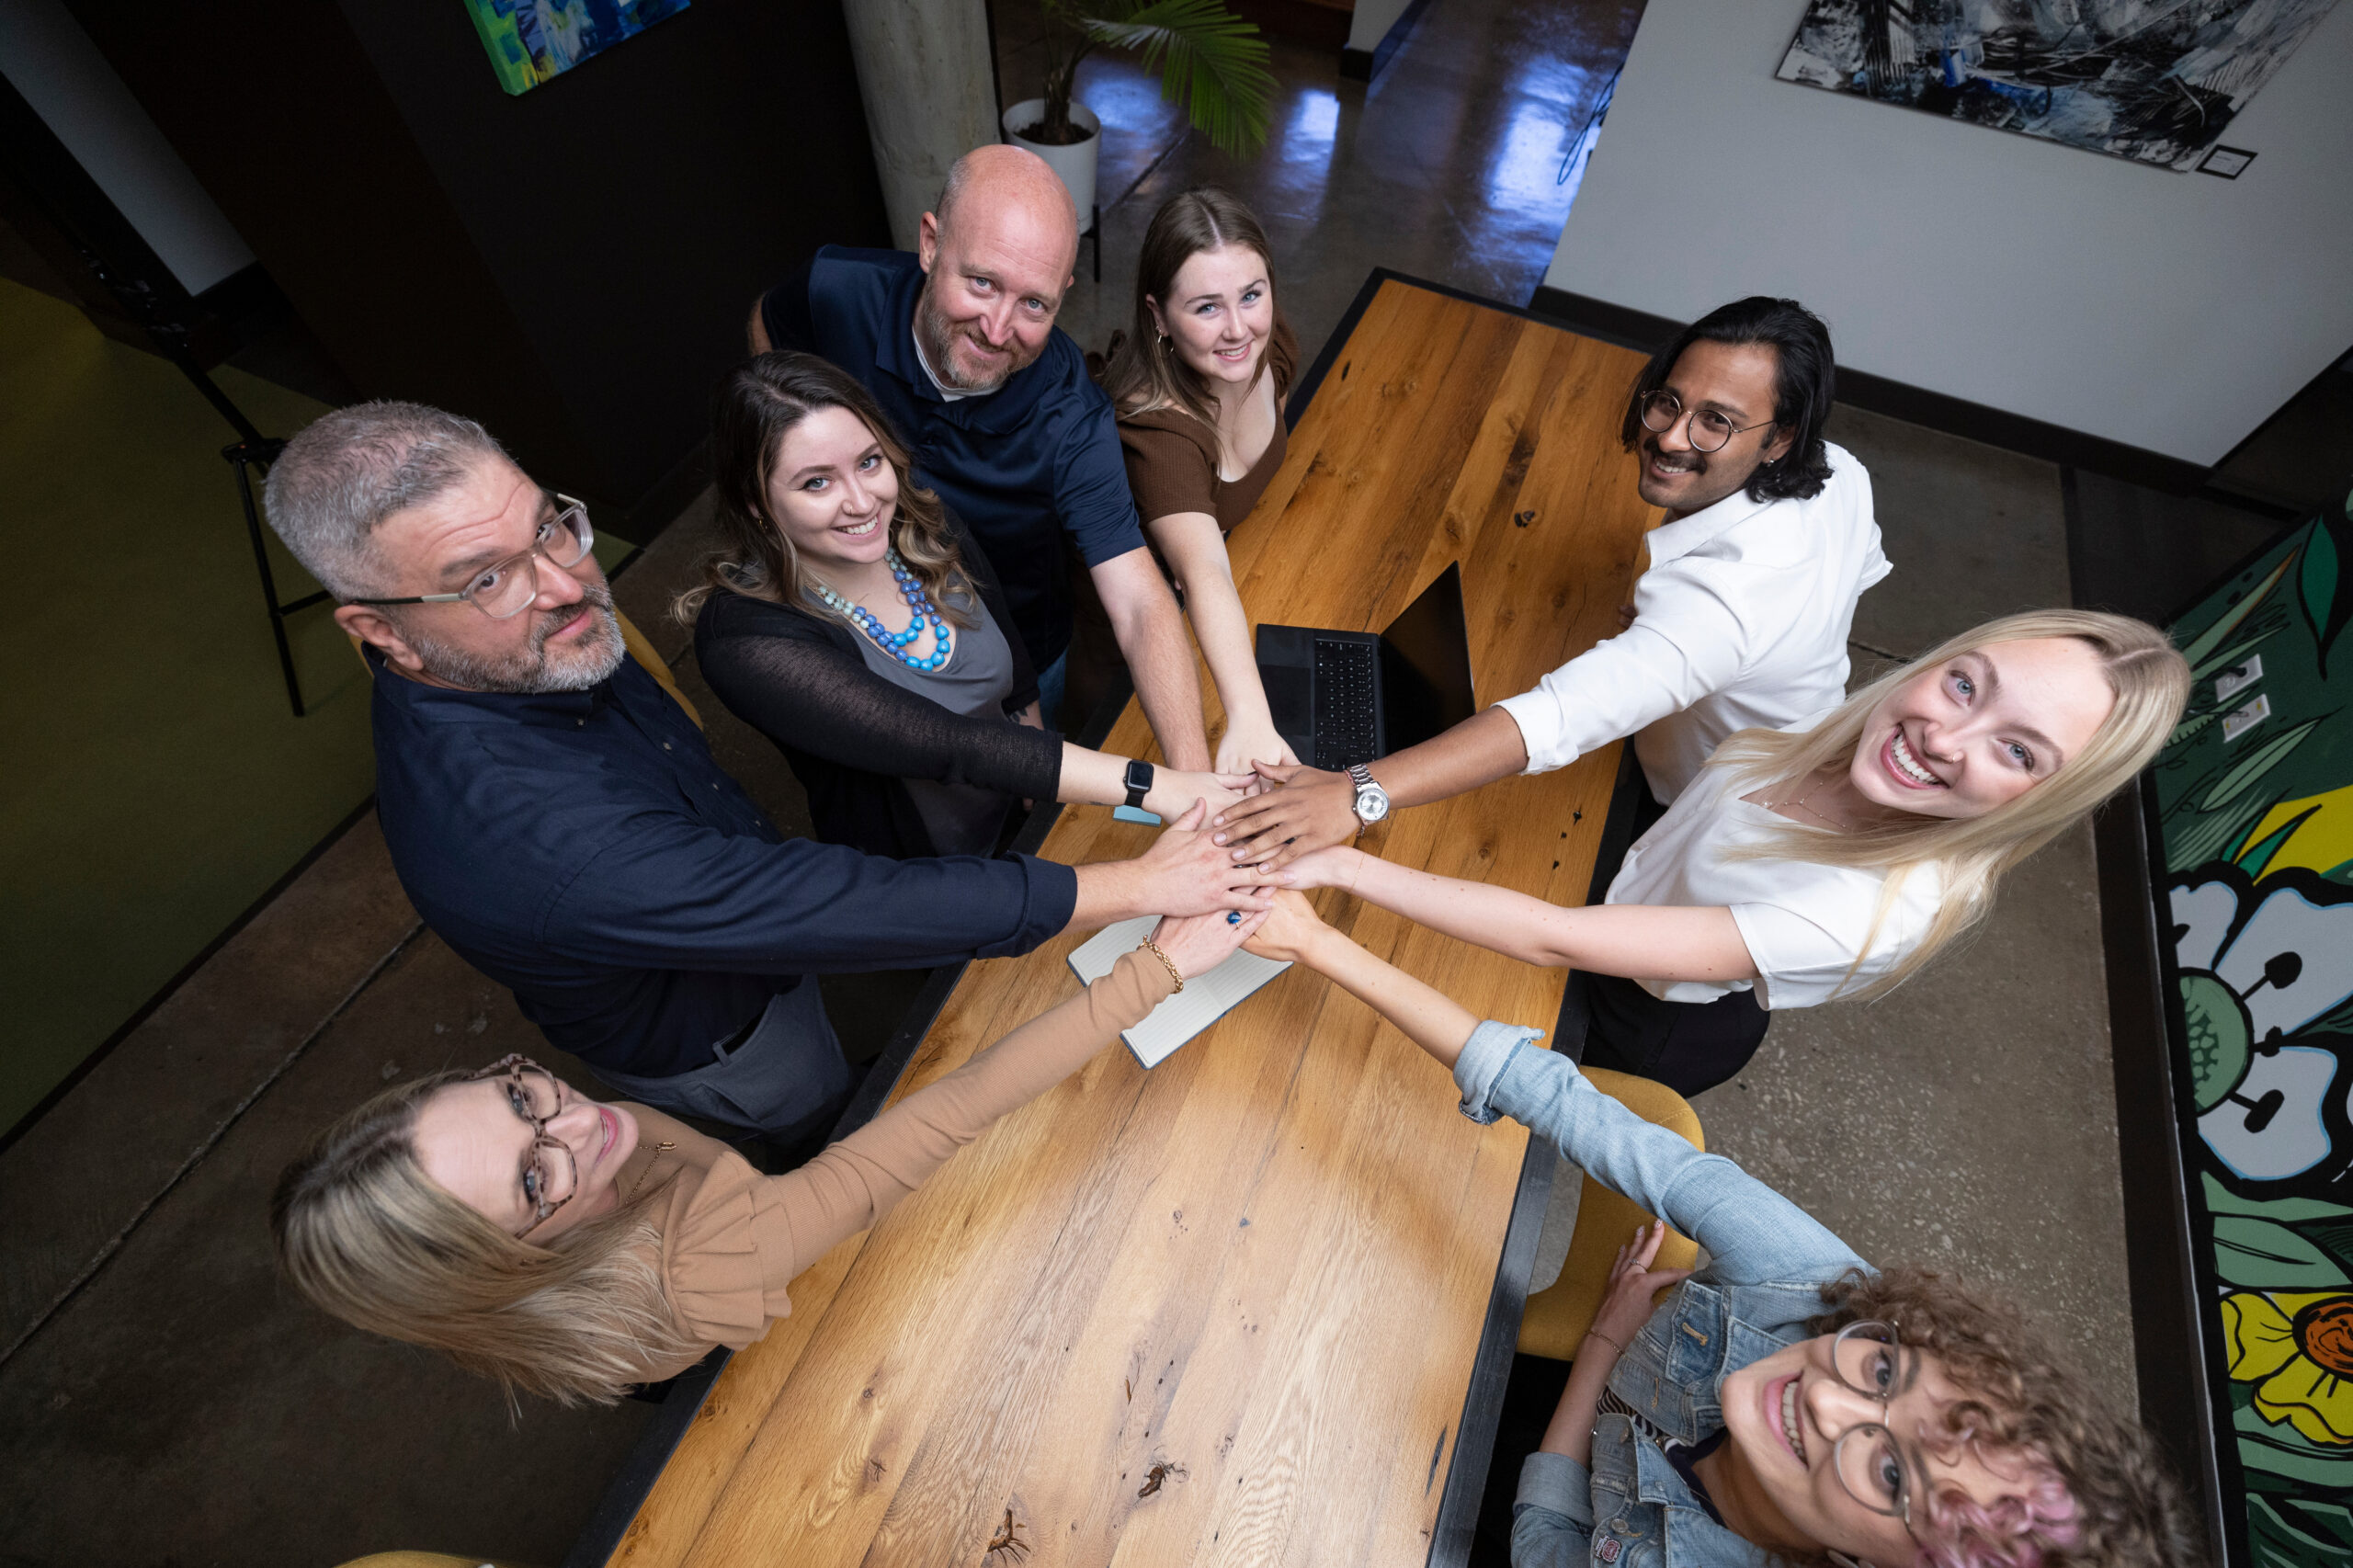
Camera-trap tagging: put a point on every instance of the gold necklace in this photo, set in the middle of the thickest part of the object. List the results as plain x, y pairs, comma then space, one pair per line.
1800, 804
659, 1150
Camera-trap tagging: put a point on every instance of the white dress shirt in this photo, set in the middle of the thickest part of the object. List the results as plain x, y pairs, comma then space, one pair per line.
1804, 922
1739, 623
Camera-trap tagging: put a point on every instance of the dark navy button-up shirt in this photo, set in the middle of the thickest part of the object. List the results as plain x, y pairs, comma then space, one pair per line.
1035, 459
585, 850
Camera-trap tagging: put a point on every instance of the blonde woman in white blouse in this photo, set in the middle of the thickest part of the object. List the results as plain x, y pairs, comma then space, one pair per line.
1832, 858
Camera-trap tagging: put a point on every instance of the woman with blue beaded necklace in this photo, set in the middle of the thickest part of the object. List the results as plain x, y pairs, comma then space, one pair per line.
851, 619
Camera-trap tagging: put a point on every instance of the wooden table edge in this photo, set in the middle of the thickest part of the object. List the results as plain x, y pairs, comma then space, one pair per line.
1499, 1336
1483, 1401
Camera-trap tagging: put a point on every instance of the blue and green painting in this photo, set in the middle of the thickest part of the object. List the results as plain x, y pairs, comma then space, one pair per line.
531, 41
2255, 797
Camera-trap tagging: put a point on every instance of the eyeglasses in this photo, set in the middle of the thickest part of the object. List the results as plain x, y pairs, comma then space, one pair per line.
507, 589
1709, 430
534, 1094
1869, 1358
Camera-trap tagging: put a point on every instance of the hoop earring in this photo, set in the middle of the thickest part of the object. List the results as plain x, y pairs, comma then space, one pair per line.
1162, 342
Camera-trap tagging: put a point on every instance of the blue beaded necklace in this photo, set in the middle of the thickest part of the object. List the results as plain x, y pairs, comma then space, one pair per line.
895, 642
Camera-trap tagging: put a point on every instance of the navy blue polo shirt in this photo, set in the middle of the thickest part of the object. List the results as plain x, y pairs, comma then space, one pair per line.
584, 850
1037, 458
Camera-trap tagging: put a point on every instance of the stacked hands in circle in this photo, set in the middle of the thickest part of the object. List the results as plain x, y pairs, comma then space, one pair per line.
918, 637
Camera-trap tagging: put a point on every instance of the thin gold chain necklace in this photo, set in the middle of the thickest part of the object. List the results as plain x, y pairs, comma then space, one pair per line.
659, 1150
1801, 804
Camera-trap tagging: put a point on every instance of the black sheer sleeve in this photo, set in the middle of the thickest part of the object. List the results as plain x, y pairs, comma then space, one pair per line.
781, 673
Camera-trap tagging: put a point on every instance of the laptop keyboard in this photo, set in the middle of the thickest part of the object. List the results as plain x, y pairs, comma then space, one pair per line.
1344, 703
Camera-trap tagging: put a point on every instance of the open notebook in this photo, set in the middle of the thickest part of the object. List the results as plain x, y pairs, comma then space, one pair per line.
1203, 1002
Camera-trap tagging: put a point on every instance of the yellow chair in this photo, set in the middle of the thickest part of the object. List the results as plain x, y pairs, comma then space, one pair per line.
1557, 1317
639, 648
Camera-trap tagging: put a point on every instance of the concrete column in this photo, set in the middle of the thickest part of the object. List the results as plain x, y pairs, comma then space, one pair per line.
923, 70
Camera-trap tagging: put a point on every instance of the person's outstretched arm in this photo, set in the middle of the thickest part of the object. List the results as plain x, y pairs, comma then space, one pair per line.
1688, 637
1307, 808
1151, 633
1752, 1233
859, 1179
1195, 551
1637, 941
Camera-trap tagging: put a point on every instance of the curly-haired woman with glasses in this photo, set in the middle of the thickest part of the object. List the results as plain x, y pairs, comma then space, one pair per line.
573, 1249
1788, 1401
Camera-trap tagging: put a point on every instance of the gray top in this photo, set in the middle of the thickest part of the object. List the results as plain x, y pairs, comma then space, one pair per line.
977, 678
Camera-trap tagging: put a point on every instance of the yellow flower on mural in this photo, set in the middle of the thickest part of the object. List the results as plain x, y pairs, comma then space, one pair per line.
2298, 1346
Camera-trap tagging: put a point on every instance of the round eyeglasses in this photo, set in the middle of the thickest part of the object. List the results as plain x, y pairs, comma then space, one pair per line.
1867, 1358
507, 589
1709, 430
552, 1173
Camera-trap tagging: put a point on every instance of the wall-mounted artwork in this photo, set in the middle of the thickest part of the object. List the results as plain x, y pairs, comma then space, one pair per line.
2154, 80
532, 40
2255, 821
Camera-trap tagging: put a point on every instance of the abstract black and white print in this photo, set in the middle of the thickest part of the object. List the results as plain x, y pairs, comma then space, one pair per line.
2154, 80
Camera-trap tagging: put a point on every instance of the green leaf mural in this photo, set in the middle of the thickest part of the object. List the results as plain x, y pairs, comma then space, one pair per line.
2255, 815
2322, 587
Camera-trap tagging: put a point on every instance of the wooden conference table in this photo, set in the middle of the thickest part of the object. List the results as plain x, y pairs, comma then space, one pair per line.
1269, 1263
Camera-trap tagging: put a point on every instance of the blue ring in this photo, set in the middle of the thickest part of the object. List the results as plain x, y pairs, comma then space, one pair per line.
1234, 917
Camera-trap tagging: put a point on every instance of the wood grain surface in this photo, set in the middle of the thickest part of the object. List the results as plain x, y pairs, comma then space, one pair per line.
1258, 1272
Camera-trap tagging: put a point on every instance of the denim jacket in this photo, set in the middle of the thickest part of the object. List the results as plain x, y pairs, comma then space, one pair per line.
1766, 1261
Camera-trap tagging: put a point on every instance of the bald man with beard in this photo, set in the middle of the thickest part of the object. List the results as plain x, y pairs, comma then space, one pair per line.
958, 344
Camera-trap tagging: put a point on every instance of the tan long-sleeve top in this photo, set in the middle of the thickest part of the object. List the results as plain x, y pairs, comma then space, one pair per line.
732, 1239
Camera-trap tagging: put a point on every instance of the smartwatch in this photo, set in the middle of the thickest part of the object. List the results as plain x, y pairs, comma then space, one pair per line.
1139, 783
1372, 800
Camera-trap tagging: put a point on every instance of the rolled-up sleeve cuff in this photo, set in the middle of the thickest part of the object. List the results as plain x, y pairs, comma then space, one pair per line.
1543, 732
1558, 1485
1049, 897
1485, 1055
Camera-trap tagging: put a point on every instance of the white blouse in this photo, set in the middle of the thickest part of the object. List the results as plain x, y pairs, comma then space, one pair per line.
1804, 922
1739, 623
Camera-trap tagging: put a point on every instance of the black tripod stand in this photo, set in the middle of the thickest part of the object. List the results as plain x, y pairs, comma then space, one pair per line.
248, 457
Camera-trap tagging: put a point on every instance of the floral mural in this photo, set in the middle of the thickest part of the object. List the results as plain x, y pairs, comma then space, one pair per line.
2256, 816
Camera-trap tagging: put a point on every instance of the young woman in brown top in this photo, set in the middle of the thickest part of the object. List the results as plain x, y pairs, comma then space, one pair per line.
1199, 384
573, 1249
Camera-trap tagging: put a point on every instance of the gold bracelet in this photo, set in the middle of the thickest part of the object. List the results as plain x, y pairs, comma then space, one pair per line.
1596, 1333
1149, 945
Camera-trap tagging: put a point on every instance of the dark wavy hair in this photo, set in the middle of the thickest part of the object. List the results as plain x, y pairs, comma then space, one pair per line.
1805, 379
756, 405
2096, 1494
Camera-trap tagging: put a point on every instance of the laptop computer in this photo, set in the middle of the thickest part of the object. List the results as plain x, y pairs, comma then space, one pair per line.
1345, 697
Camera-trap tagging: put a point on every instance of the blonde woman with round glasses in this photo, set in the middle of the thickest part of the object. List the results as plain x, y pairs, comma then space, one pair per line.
1788, 1403
1831, 859
573, 1249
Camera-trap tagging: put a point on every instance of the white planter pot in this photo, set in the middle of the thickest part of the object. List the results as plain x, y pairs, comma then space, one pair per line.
1074, 163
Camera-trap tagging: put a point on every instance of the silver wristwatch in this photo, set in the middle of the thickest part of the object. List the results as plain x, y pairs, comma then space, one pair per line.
1372, 800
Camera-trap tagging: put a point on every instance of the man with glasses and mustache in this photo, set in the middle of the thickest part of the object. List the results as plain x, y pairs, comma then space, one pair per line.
960, 346
558, 819
1741, 620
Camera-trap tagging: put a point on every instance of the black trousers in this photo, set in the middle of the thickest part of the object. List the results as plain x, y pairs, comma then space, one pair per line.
1688, 1046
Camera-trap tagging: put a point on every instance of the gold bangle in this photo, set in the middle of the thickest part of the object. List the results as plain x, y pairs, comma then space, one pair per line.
1149, 945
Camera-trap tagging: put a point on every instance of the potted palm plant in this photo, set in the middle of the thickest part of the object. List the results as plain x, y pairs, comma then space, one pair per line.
1209, 59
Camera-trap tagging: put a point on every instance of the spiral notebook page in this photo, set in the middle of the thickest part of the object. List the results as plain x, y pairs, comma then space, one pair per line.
1205, 999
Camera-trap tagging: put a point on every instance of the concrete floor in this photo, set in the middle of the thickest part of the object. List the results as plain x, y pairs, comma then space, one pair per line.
174, 1406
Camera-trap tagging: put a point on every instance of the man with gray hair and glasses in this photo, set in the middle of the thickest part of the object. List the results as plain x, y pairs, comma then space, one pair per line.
558, 819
